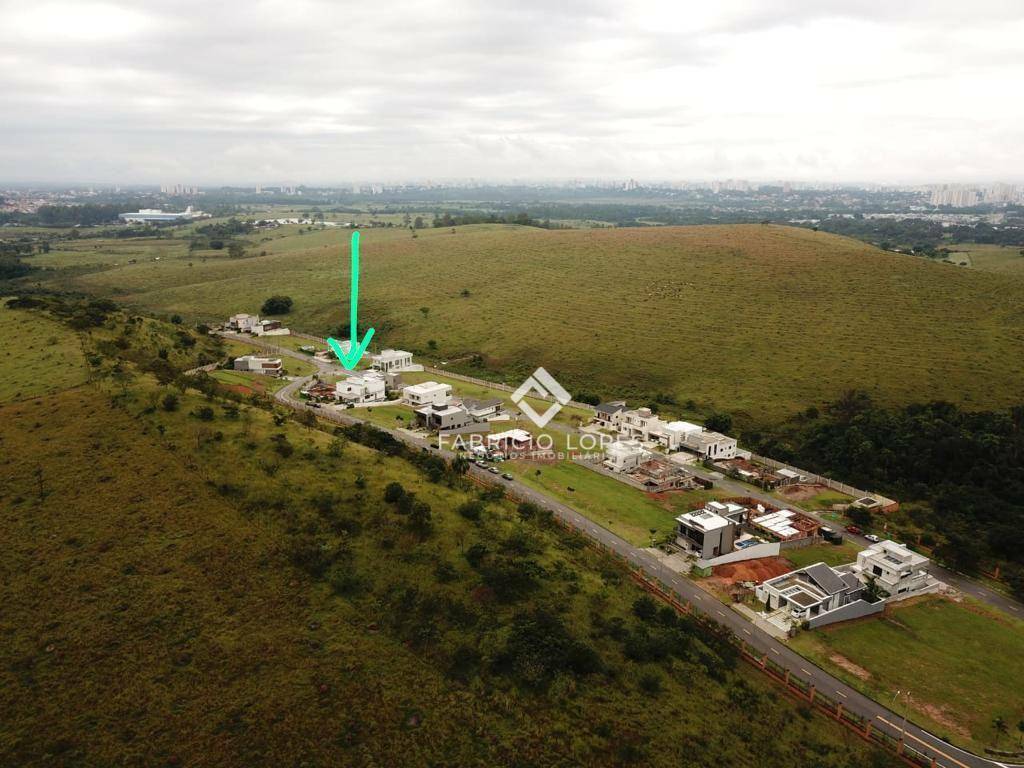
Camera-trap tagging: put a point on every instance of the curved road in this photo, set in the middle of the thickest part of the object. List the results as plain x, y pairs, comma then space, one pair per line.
916, 739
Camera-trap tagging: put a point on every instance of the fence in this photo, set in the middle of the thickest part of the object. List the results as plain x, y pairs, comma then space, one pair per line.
888, 505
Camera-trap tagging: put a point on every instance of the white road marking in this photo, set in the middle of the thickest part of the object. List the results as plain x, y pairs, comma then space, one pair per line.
841, 694
775, 652
747, 631
804, 671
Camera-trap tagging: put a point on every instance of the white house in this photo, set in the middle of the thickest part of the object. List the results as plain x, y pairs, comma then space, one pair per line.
393, 360
366, 387
707, 532
710, 445
808, 592
510, 440
625, 455
893, 567
270, 366
638, 424
427, 393
442, 417
243, 323
672, 434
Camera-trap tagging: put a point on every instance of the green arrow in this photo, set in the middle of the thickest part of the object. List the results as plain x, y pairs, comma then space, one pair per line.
350, 357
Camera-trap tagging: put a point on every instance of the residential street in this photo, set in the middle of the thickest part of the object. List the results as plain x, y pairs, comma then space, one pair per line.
916, 738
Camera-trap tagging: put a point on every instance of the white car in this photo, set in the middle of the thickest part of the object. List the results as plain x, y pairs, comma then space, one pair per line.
872, 538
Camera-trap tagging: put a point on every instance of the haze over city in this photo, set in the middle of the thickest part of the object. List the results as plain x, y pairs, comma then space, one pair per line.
325, 92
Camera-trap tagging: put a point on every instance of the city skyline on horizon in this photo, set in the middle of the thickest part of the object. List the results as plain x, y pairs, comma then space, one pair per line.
135, 92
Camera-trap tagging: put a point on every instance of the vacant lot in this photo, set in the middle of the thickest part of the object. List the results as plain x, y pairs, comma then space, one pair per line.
41, 356
830, 554
756, 320
960, 662
624, 510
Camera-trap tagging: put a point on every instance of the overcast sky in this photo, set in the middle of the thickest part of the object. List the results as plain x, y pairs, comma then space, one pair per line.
320, 92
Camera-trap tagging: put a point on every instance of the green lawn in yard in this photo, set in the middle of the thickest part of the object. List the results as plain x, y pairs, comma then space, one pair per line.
620, 508
962, 664
830, 554
41, 356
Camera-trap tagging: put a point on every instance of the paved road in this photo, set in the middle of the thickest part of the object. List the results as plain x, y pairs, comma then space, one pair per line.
963, 583
882, 718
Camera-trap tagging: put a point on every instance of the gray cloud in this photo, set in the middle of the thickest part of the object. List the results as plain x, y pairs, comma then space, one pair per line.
320, 92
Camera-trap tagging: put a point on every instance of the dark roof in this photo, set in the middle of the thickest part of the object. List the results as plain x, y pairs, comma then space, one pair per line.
472, 405
851, 581
826, 578
613, 407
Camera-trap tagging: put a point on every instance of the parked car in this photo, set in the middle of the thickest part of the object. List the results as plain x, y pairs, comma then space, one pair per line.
493, 470
872, 538
853, 529
507, 476
481, 463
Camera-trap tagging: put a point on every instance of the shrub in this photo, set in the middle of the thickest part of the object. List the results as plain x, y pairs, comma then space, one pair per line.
393, 493
170, 402
277, 305
471, 510
203, 413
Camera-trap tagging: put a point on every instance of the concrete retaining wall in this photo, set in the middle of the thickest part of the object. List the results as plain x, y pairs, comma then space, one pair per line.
855, 610
769, 549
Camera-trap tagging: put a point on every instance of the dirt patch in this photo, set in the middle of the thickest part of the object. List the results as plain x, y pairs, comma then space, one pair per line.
752, 570
854, 669
239, 388
801, 492
943, 717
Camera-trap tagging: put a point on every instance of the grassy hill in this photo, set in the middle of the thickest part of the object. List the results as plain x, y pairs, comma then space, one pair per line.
224, 586
41, 356
756, 320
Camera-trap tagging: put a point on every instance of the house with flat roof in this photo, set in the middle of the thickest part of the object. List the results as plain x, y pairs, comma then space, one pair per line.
625, 455
438, 417
427, 393
893, 567
268, 366
638, 424
270, 328
672, 434
807, 592
710, 445
242, 322
392, 360
365, 387
706, 532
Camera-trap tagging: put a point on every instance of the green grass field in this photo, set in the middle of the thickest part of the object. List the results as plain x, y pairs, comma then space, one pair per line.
1001, 259
757, 320
216, 599
41, 356
961, 663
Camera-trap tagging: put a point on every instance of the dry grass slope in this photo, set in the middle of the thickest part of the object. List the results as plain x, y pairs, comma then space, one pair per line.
762, 320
